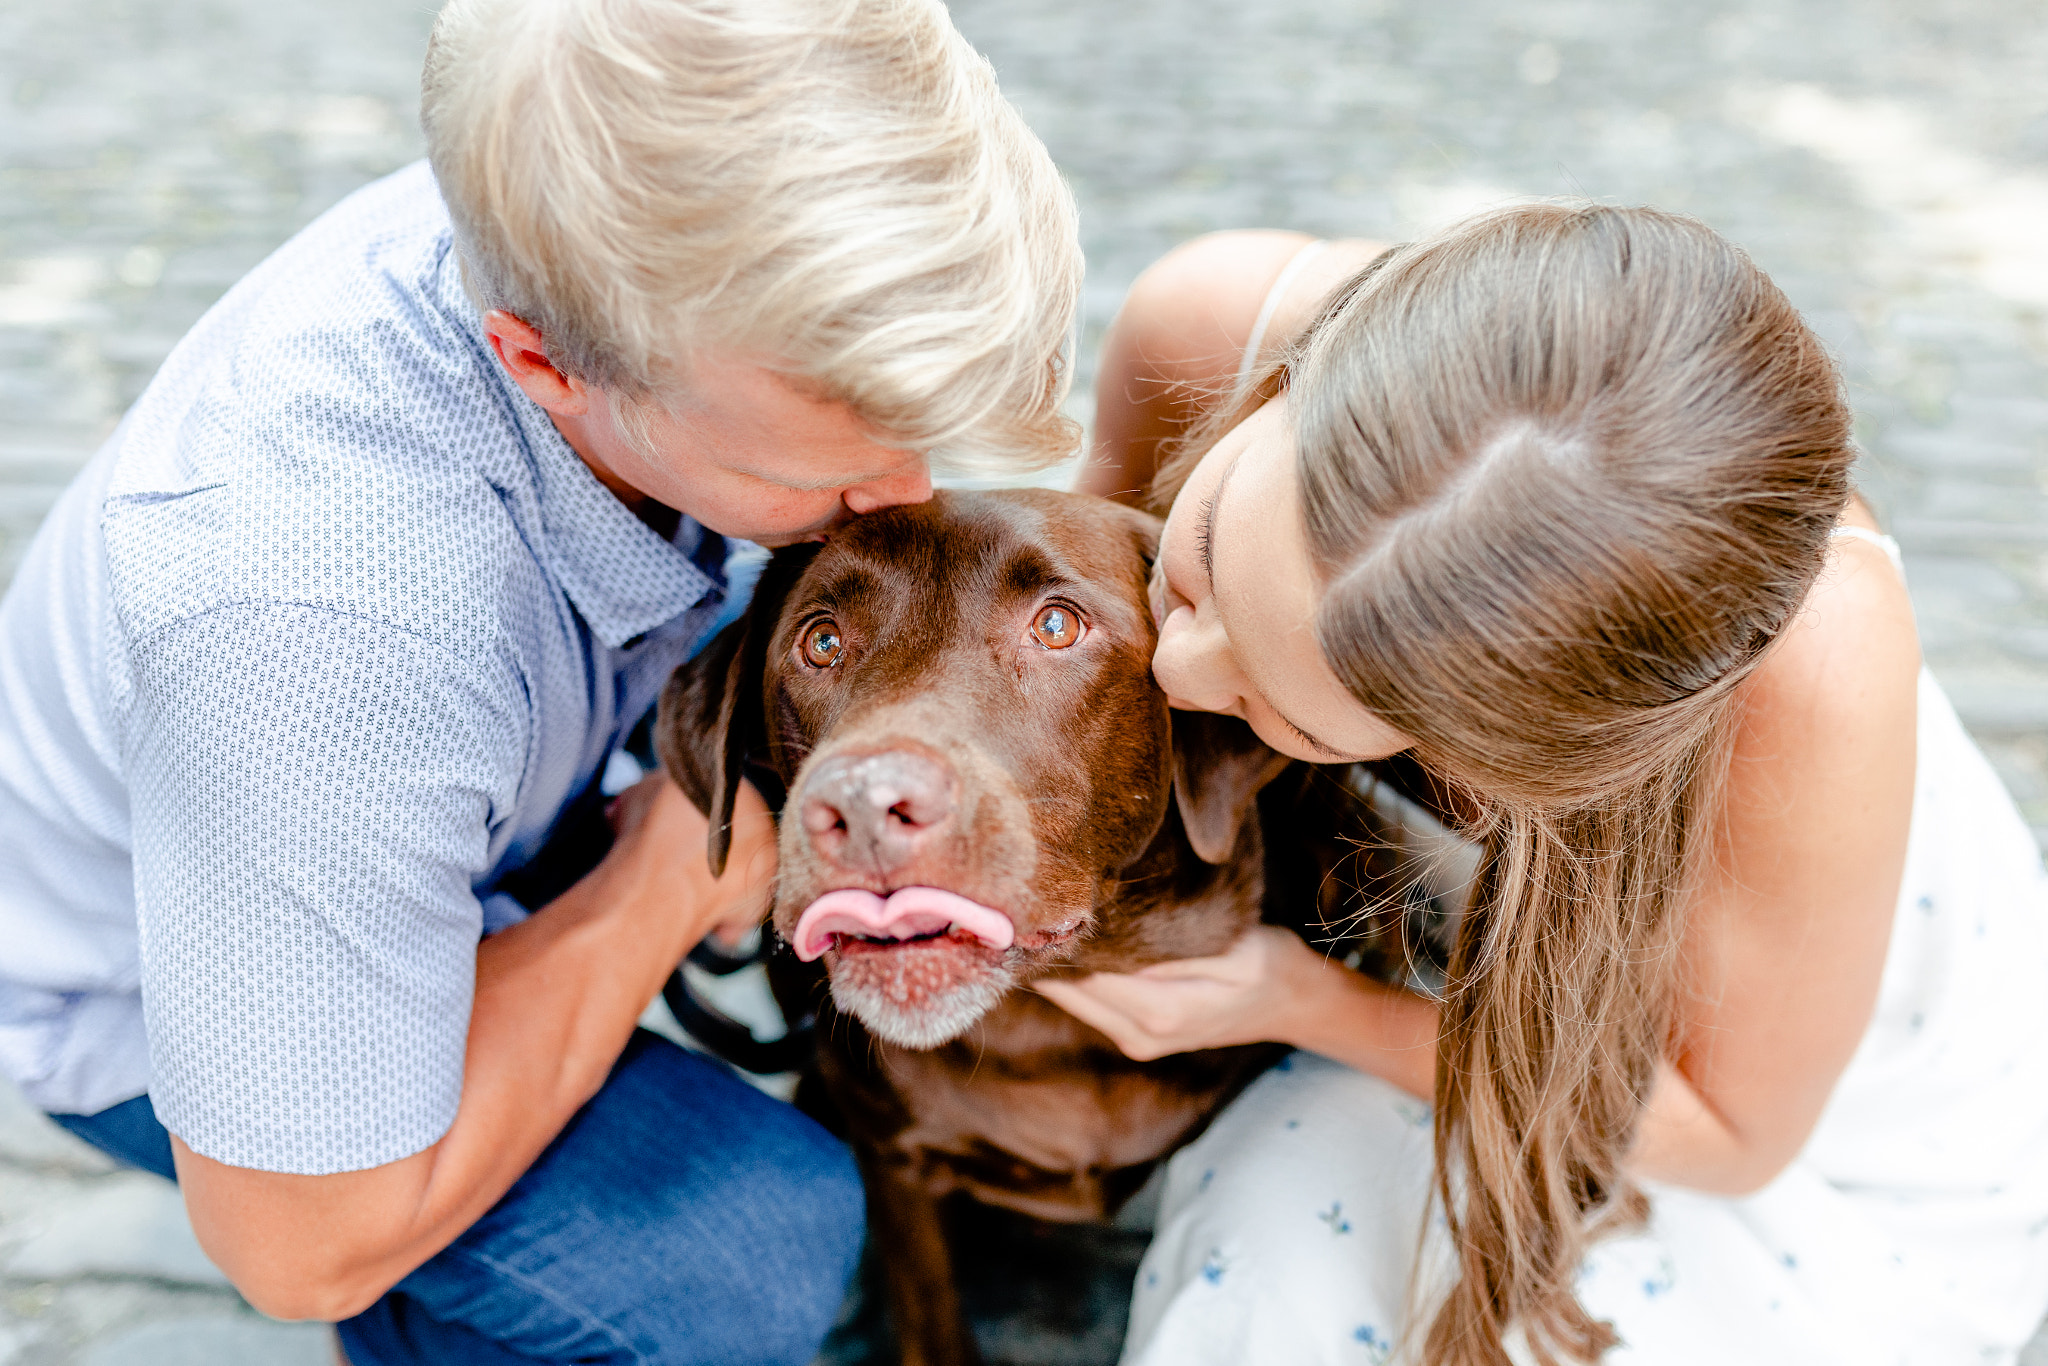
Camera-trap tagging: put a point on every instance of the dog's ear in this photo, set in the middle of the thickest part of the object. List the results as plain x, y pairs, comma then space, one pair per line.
694, 725
711, 721
1142, 527
1219, 767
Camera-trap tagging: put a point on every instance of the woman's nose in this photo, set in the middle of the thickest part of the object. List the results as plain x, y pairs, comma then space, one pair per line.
1192, 663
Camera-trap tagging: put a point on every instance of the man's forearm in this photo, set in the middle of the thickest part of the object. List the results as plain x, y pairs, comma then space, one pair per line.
556, 999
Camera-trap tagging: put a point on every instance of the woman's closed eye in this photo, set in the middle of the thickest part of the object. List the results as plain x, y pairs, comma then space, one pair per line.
1317, 745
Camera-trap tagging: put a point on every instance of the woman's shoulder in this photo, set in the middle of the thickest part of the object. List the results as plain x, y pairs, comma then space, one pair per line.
1847, 665
1788, 935
1820, 786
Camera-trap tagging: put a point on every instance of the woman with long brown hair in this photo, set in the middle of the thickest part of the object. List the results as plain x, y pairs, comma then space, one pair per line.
1737, 1056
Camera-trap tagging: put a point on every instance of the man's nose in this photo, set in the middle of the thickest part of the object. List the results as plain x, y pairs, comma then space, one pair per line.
913, 485
873, 813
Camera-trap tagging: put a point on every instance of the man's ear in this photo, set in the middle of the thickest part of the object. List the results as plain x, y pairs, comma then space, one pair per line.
1219, 766
712, 723
523, 353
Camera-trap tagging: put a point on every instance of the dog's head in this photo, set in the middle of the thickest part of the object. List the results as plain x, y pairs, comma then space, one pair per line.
958, 697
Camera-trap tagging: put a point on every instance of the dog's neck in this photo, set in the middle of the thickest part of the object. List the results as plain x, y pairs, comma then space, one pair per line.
1166, 903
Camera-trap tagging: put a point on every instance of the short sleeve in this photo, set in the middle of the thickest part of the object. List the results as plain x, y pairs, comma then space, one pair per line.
312, 800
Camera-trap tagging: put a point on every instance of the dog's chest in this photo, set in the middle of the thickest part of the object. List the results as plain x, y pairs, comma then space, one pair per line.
1037, 1112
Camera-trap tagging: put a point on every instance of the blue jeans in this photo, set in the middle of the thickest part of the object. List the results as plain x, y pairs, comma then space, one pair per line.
681, 1217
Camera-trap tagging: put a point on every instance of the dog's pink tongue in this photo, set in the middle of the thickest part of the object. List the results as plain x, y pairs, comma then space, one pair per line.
908, 913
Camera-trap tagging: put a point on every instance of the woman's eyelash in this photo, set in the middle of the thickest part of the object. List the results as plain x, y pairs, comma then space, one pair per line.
1310, 740
1202, 536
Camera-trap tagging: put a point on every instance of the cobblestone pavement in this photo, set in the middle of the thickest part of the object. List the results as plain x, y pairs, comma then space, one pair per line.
1887, 162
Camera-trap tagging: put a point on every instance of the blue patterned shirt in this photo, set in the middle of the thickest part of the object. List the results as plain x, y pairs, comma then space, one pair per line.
309, 657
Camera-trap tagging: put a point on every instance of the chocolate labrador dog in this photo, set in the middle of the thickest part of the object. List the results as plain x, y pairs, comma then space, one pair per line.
985, 786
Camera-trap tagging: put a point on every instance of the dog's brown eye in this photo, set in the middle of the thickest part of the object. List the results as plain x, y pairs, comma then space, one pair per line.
1055, 627
822, 645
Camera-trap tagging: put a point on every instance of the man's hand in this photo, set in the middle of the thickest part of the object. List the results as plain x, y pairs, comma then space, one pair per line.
659, 830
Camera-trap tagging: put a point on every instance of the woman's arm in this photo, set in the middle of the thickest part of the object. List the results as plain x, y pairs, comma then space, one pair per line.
556, 999
1175, 346
1786, 944
1270, 987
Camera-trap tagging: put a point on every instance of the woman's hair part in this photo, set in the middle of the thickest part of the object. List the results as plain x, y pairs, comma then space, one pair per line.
1597, 449
835, 188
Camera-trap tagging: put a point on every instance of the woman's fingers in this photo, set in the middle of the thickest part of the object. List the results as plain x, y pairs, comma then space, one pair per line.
1247, 962
1235, 997
1146, 1019
1148, 1003
1082, 1001
1225, 967
1078, 1000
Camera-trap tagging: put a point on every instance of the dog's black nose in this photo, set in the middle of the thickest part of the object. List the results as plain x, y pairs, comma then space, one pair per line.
873, 812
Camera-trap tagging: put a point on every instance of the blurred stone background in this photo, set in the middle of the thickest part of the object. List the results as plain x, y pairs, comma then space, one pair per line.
1886, 161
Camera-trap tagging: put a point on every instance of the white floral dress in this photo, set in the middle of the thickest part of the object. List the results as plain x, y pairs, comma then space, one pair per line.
1911, 1231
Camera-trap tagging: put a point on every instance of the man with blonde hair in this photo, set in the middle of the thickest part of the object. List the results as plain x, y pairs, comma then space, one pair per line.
308, 673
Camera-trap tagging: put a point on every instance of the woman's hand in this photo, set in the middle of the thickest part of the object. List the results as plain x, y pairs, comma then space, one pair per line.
1249, 994
1269, 988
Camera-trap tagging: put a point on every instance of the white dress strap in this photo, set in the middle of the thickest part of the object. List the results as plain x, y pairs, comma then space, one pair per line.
1885, 543
1274, 295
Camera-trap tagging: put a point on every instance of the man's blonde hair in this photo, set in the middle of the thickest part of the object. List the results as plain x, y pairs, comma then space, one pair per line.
835, 187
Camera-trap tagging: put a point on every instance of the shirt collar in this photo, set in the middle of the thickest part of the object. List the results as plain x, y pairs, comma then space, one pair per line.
625, 580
